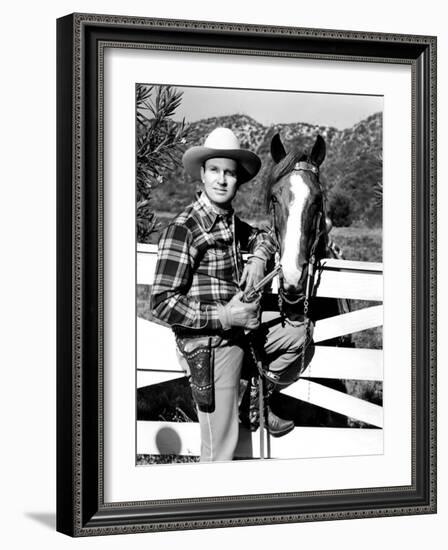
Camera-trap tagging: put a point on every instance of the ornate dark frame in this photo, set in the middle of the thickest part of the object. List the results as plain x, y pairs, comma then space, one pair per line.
81, 39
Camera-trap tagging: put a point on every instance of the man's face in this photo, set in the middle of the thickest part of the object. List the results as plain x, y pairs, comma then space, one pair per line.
219, 177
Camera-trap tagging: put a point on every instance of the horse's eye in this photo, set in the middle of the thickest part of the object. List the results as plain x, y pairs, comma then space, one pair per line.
274, 198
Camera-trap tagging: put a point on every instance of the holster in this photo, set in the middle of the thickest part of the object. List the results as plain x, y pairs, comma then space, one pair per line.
198, 352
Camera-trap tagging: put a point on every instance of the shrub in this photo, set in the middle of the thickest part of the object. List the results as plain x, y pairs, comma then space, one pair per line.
340, 210
160, 143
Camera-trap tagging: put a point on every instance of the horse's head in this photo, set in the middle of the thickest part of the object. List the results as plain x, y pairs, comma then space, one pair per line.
295, 196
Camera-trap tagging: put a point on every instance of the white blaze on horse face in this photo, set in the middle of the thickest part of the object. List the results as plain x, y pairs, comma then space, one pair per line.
300, 193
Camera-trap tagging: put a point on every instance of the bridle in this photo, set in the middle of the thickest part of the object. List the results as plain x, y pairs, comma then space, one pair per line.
311, 261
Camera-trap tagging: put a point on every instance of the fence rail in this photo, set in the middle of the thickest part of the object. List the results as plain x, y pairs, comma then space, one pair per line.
337, 279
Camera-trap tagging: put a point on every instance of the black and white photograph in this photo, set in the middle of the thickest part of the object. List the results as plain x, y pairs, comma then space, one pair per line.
223, 275
259, 254
246, 308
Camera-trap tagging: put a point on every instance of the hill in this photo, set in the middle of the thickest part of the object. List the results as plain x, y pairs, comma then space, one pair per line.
350, 173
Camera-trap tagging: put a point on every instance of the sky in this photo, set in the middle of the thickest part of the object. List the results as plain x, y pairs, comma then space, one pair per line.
269, 107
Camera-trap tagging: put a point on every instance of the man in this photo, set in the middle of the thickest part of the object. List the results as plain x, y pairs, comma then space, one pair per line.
197, 291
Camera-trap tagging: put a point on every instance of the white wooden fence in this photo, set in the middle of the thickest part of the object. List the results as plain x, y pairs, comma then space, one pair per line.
339, 279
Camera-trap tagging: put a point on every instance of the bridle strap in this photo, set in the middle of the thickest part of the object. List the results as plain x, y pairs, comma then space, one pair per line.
307, 166
311, 265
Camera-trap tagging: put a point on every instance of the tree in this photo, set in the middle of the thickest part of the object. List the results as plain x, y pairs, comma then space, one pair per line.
340, 209
160, 143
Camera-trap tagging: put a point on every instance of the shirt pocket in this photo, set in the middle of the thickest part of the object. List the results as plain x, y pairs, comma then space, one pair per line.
219, 248
219, 262
217, 252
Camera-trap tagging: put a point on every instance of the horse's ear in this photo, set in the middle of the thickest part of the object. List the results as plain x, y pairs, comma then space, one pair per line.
278, 152
319, 151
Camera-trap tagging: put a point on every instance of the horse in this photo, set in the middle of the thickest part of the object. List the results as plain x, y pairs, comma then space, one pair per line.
295, 200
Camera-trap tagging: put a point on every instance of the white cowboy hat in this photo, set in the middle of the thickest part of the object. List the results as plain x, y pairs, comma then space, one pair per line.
222, 143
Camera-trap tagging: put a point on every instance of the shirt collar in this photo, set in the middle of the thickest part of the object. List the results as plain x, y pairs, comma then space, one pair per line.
210, 213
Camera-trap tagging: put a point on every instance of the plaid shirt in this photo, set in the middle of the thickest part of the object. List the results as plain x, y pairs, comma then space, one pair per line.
199, 265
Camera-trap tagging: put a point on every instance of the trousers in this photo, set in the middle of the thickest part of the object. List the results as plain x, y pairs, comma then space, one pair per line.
282, 348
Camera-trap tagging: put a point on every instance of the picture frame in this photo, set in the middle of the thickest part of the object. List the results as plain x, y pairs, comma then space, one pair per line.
81, 507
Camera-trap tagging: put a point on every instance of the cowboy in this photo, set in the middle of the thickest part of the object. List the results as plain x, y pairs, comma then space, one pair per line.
198, 292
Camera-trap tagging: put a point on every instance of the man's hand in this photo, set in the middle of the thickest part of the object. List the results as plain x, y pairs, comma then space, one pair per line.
240, 314
253, 273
